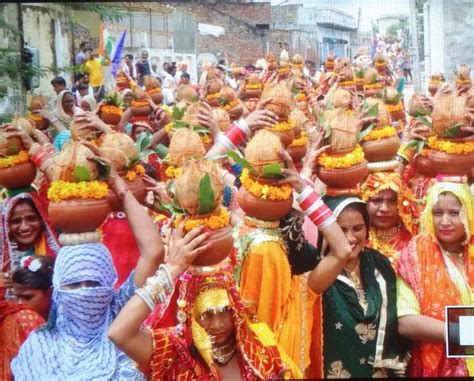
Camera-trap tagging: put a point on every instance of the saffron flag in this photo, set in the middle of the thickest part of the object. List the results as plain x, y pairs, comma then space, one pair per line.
118, 54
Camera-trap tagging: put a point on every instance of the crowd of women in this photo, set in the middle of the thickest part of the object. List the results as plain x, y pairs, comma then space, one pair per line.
322, 278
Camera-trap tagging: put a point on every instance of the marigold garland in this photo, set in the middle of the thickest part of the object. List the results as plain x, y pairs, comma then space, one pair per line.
138, 170
206, 139
436, 82
155, 90
173, 172
300, 142
253, 86
373, 86
210, 97
301, 97
231, 105
139, 103
63, 190
463, 81
265, 191
217, 220
10, 161
356, 156
110, 109
381, 133
393, 108
284, 126
452, 147
347, 83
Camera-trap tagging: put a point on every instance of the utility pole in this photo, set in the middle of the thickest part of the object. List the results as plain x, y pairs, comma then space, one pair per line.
414, 44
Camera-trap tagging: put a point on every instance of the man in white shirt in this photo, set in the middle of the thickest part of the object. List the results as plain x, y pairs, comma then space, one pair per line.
128, 67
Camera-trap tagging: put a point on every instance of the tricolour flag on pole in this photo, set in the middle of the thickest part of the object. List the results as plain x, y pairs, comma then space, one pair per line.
118, 54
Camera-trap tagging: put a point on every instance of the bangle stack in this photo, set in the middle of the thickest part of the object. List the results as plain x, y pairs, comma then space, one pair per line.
235, 135
157, 288
314, 207
43, 157
405, 153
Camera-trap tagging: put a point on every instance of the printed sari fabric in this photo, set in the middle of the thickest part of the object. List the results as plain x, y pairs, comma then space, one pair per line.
363, 341
423, 268
16, 323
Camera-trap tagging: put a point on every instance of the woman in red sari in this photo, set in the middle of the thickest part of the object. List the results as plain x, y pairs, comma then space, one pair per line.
437, 270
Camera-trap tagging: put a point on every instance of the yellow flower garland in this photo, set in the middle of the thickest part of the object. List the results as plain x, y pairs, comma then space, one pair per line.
169, 128
299, 142
356, 156
284, 126
217, 220
380, 133
371, 86
138, 170
448, 146
173, 172
392, 108
265, 191
10, 161
63, 190
231, 104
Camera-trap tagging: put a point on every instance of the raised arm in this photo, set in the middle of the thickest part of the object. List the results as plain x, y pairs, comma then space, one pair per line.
325, 273
125, 331
147, 235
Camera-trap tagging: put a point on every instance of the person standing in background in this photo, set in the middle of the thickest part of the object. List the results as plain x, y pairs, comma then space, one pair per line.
143, 67
81, 56
93, 67
128, 67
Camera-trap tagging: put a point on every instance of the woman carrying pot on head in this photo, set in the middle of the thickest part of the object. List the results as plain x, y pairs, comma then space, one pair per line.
356, 336
437, 270
393, 213
61, 118
74, 343
215, 338
26, 231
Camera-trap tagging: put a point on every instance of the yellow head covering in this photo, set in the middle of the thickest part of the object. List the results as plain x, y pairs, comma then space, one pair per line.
464, 195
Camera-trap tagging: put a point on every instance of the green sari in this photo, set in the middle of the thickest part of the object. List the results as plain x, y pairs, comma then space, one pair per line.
360, 333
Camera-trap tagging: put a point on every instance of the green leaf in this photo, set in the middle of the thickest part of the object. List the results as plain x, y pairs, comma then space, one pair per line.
272, 171
374, 78
223, 101
161, 150
102, 167
206, 195
453, 132
362, 134
240, 160
180, 124
12, 150
171, 208
425, 121
81, 173
294, 90
417, 145
178, 113
143, 141
195, 98
373, 111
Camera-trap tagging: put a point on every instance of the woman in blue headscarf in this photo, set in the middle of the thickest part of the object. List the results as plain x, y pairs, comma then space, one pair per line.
73, 345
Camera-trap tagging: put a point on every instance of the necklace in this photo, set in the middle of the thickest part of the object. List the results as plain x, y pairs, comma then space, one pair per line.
221, 355
387, 234
359, 290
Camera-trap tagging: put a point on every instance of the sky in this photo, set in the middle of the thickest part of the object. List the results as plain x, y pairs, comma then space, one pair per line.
370, 9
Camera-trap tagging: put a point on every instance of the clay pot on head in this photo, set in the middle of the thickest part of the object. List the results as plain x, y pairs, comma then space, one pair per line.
424, 166
156, 95
433, 88
222, 244
79, 215
136, 186
236, 112
265, 210
140, 110
110, 118
439, 162
252, 93
39, 122
286, 137
18, 176
297, 153
344, 177
381, 150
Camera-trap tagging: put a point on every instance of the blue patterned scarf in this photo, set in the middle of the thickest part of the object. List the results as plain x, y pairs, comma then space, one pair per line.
74, 343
